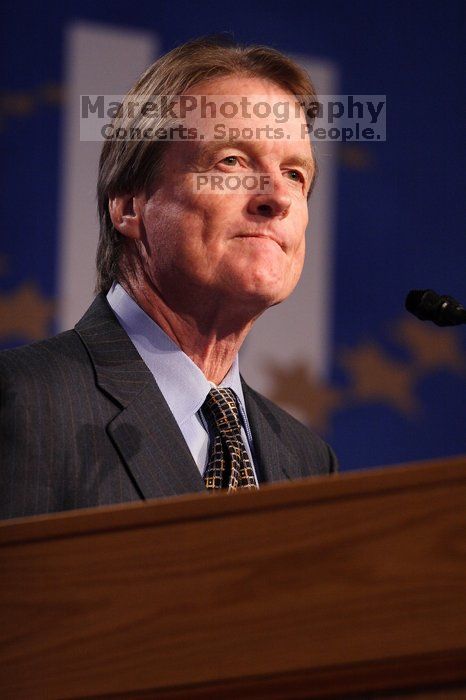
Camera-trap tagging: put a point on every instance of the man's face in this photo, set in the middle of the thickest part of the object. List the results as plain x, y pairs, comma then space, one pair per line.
233, 245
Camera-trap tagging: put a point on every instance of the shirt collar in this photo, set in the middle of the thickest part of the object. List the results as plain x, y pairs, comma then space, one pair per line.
182, 383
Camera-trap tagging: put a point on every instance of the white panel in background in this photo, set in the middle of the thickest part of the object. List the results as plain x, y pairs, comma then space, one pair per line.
299, 330
99, 60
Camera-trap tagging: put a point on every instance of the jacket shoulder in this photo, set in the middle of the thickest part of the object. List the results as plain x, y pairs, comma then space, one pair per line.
47, 361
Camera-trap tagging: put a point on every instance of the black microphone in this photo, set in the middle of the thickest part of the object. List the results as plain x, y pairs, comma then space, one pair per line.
430, 306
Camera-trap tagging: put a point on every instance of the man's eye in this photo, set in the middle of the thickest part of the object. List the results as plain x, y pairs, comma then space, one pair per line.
295, 175
230, 160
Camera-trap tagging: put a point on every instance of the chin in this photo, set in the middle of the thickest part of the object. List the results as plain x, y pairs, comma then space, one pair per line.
260, 293
259, 284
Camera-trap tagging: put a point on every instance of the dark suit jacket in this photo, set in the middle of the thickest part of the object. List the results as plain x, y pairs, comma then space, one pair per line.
83, 423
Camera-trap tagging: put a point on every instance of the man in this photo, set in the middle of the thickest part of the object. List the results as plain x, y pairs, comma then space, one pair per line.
143, 399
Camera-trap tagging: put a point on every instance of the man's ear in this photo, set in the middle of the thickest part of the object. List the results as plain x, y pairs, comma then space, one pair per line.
126, 215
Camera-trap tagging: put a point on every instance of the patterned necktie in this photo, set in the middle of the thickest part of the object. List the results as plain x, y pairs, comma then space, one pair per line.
229, 465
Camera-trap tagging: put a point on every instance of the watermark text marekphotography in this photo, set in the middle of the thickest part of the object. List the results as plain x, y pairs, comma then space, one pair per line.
232, 117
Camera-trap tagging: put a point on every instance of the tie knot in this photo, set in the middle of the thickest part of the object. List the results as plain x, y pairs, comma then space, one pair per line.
221, 405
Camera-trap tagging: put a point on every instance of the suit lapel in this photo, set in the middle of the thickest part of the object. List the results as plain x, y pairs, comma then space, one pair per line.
144, 432
276, 461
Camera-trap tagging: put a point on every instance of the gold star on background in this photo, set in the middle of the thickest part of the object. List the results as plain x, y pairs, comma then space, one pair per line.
356, 157
375, 377
295, 387
431, 347
25, 313
24, 103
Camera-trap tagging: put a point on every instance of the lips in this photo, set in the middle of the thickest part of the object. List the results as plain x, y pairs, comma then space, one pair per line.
267, 236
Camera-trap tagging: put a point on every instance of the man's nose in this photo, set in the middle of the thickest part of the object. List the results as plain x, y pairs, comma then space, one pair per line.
271, 204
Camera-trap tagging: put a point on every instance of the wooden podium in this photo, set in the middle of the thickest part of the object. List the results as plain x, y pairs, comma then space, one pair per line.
347, 586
